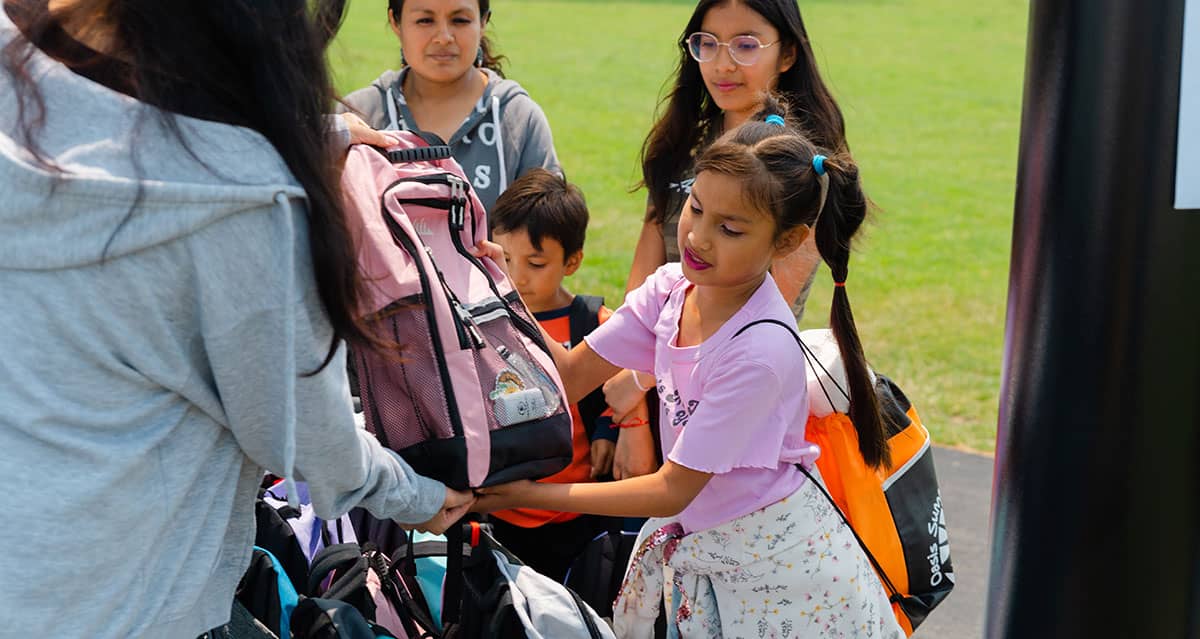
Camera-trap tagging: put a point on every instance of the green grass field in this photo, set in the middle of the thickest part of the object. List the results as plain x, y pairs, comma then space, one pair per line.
931, 92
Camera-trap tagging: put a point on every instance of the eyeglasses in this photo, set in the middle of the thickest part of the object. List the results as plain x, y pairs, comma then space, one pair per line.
744, 49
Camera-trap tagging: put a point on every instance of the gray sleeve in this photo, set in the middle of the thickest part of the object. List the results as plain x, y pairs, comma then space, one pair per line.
537, 144
368, 104
246, 343
338, 131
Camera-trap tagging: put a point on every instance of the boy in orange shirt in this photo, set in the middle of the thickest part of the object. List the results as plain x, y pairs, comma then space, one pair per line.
541, 221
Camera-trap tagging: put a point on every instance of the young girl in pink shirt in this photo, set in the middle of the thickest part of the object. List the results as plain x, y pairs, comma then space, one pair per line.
740, 543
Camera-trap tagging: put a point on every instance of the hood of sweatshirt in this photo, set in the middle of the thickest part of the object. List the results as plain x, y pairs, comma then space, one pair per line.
122, 184
504, 135
496, 95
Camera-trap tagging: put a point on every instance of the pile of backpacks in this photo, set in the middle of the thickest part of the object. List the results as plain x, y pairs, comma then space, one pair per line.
311, 579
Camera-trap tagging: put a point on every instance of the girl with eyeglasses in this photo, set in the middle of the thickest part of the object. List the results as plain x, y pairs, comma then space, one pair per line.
731, 53
451, 85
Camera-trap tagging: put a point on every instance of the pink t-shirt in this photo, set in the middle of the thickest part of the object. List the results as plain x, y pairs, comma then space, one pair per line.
732, 407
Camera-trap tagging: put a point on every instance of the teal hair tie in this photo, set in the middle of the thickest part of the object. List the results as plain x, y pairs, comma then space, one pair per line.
774, 119
819, 164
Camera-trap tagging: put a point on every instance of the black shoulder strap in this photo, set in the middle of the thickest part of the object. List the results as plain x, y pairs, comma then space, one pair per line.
452, 586
584, 317
809, 356
894, 594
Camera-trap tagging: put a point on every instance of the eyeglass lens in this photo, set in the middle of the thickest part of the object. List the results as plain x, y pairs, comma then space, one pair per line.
744, 49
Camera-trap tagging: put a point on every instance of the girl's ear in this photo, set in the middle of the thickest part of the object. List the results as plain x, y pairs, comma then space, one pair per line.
572, 263
483, 19
791, 240
787, 59
394, 22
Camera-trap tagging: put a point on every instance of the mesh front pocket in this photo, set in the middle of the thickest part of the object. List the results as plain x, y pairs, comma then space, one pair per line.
404, 395
517, 390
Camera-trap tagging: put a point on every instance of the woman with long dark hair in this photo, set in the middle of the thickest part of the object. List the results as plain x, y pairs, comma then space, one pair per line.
177, 284
732, 53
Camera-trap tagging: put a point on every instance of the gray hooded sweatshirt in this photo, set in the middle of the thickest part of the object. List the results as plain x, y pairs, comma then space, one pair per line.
490, 161
158, 315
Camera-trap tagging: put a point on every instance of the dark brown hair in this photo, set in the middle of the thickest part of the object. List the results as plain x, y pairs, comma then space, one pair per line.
491, 59
774, 164
691, 116
544, 204
265, 63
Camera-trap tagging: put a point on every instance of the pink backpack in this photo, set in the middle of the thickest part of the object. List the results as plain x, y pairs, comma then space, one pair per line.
473, 399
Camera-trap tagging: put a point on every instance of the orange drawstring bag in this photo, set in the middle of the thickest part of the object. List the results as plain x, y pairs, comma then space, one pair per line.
896, 513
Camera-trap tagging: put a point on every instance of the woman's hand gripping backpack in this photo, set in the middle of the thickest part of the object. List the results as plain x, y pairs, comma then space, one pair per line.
896, 513
473, 398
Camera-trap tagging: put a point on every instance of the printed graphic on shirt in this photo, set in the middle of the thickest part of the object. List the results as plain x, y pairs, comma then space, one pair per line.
483, 172
482, 175
674, 406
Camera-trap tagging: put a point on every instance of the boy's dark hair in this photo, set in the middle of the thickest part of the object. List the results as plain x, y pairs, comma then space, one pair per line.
544, 204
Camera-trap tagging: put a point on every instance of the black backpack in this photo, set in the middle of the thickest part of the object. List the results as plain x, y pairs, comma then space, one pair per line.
278, 582
319, 618
597, 573
478, 602
488, 606
583, 317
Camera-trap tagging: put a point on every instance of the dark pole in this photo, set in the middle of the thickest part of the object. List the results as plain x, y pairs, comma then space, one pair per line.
1096, 515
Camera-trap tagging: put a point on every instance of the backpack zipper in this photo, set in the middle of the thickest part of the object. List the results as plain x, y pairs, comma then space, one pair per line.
456, 206
466, 326
457, 221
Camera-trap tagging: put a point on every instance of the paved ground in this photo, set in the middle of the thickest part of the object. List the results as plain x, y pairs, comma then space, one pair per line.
966, 484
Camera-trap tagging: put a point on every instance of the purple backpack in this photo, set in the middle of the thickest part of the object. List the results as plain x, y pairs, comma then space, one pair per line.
473, 398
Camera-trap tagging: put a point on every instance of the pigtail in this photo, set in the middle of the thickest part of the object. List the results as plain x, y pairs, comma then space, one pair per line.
844, 211
784, 173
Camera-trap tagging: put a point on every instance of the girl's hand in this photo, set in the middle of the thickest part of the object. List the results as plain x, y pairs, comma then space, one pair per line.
362, 133
634, 455
503, 496
457, 504
602, 457
622, 394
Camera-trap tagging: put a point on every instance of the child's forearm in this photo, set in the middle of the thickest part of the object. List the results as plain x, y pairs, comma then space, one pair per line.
581, 369
662, 494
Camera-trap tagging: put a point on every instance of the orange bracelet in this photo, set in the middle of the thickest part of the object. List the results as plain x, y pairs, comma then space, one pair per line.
632, 423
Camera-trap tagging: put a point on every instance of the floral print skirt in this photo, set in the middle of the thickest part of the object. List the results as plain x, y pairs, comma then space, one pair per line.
791, 569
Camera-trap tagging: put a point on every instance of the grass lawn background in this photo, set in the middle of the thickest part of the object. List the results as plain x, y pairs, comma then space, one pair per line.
931, 93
